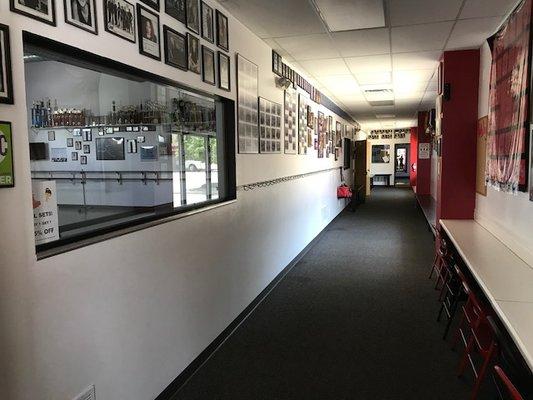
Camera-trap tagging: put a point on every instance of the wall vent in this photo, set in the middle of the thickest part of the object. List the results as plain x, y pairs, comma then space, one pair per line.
88, 394
380, 103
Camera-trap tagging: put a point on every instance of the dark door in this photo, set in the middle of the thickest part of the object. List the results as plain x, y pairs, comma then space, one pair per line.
360, 170
401, 164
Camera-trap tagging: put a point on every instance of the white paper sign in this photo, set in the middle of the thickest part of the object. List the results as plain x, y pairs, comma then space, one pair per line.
423, 151
45, 220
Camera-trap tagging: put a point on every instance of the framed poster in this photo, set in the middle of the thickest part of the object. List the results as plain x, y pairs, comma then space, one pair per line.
303, 129
175, 48
7, 175
208, 65
321, 131
208, 32
124, 26
269, 126
193, 15
247, 106
6, 80
152, 3
176, 9
380, 154
276, 63
82, 14
481, 159
40, 10
224, 71
149, 37
291, 121
222, 31
193, 53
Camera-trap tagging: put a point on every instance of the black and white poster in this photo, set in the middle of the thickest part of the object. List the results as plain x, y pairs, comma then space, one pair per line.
269, 126
6, 83
149, 39
291, 122
208, 32
176, 9
120, 18
193, 50
41, 10
247, 92
193, 15
81, 13
175, 48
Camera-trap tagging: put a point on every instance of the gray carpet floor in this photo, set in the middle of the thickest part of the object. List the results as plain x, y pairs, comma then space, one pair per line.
354, 319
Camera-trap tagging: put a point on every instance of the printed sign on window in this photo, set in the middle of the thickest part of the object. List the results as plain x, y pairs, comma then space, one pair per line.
423, 151
45, 220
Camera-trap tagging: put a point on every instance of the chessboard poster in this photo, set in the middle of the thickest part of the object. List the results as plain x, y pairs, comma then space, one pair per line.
247, 104
291, 122
269, 126
303, 128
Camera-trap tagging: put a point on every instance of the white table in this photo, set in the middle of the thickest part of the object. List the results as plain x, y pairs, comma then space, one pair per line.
506, 280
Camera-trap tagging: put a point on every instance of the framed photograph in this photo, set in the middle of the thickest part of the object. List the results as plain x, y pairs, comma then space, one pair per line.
148, 23
6, 80
83, 160
193, 53
152, 3
224, 71
86, 149
291, 121
87, 135
269, 126
70, 142
82, 14
51, 136
208, 65
77, 145
132, 146
176, 9
208, 31
74, 156
277, 63
119, 19
175, 48
41, 10
193, 15
247, 106
222, 31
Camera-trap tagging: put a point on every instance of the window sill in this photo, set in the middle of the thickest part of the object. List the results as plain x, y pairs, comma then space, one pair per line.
124, 231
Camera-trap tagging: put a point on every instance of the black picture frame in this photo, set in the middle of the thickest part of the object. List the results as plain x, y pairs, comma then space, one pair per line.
83, 160
117, 33
207, 25
208, 64
80, 24
222, 31
221, 59
169, 59
86, 149
193, 43
152, 3
52, 13
276, 63
70, 142
157, 31
192, 14
6, 83
176, 9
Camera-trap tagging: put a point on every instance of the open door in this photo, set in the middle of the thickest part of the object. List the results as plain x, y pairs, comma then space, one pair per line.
360, 171
402, 164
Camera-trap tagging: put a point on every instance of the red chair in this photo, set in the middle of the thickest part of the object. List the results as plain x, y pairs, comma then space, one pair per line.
440, 263
508, 385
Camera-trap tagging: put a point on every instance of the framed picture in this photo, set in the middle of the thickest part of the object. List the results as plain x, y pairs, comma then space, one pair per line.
175, 48
152, 3
224, 71
6, 80
148, 33
193, 53
208, 65
77, 145
83, 160
7, 175
208, 32
51, 136
86, 149
70, 142
176, 9
82, 14
222, 31
291, 121
119, 19
74, 156
276, 63
132, 146
269, 126
87, 135
41, 10
247, 106
193, 15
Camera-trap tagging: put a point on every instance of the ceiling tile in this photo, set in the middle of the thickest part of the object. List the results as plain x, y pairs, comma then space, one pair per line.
420, 37
344, 15
369, 63
363, 42
416, 60
471, 33
340, 85
309, 47
373, 77
417, 75
329, 66
408, 12
487, 8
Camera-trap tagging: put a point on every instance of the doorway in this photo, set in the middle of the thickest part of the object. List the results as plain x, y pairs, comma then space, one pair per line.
401, 164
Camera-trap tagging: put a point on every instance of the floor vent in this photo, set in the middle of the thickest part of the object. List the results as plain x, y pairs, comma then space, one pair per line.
88, 394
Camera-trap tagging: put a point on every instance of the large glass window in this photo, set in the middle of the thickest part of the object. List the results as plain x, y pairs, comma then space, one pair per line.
109, 149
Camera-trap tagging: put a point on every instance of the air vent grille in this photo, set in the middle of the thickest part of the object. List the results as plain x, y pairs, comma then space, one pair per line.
381, 103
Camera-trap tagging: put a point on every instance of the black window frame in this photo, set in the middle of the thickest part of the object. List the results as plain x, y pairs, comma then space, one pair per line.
85, 59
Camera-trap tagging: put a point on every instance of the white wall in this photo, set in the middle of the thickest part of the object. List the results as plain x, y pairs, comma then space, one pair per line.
507, 216
131, 313
386, 168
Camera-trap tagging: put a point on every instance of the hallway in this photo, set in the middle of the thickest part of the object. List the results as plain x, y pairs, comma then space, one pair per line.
354, 319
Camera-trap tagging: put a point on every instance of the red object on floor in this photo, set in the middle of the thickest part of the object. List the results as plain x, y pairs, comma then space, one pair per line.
513, 392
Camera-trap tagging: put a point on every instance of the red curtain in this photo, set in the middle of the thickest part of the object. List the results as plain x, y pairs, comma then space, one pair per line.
507, 140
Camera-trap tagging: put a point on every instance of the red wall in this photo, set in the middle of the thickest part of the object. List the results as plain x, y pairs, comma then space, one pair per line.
456, 185
414, 158
423, 181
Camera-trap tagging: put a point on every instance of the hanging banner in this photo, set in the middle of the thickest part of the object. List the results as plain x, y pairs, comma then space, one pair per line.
45, 220
7, 177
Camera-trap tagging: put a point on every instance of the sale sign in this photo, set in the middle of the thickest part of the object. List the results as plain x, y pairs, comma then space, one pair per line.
45, 221
7, 177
